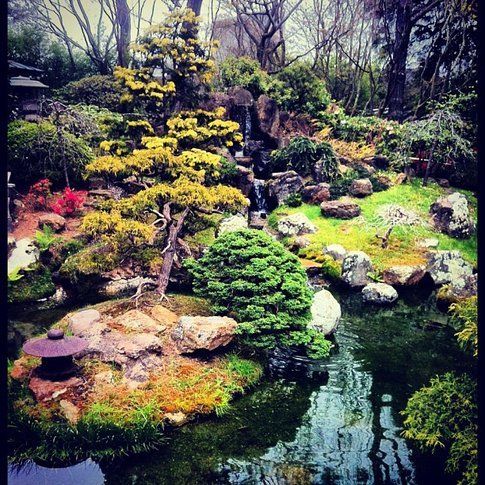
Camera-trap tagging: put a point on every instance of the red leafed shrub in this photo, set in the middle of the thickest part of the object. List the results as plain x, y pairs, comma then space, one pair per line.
38, 196
69, 203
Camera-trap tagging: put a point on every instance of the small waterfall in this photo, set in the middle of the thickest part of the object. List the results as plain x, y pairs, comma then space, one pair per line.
259, 197
247, 124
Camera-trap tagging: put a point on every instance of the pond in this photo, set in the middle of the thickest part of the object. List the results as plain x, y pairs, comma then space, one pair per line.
338, 427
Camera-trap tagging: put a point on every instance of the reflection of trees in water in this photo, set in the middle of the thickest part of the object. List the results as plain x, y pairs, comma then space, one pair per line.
270, 414
339, 440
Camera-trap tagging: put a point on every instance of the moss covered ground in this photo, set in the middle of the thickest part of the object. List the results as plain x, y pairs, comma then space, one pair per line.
360, 233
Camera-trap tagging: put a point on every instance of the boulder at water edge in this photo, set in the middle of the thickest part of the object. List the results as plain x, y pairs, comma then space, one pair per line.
355, 267
379, 293
203, 333
448, 267
451, 216
326, 312
341, 209
295, 225
459, 289
404, 275
232, 224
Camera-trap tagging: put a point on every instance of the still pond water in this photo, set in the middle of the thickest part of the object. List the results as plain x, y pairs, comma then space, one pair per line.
341, 426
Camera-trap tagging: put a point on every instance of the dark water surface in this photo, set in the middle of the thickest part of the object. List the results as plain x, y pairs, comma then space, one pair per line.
342, 428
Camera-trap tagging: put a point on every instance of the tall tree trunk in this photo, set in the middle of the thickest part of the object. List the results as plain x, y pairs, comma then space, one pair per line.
195, 5
123, 19
397, 76
173, 231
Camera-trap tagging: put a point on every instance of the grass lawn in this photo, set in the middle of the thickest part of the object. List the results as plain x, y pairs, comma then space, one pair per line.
360, 233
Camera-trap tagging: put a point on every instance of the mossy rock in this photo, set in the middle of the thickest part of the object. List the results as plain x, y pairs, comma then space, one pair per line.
59, 251
36, 283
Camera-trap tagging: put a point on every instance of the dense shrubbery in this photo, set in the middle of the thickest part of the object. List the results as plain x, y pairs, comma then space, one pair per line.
244, 72
103, 91
465, 316
297, 88
302, 154
36, 150
445, 414
248, 275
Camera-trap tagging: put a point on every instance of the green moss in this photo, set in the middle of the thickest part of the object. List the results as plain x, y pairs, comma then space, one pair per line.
360, 233
90, 261
59, 251
35, 284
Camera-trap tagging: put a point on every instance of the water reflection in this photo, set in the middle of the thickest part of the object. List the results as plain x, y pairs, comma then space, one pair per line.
87, 473
342, 438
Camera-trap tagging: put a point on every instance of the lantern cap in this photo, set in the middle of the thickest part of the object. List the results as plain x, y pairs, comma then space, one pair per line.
55, 345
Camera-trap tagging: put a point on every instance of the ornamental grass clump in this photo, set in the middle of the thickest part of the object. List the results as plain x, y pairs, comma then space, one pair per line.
251, 277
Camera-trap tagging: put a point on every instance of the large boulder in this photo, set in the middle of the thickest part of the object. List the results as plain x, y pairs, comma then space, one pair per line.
316, 194
241, 96
355, 267
23, 255
379, 293
56, 222
203, 333
282, 185
295, 225
326, 312
268, 115
448, 267
335, 251
232, 224
450, 215
404, 275
360, 188
340, 209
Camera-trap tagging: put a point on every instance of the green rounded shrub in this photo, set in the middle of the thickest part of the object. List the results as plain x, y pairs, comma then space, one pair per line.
244, 72
102, 90
251, 277
297, 88
36, 151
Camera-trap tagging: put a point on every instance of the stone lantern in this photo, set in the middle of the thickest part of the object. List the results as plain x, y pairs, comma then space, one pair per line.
56, 352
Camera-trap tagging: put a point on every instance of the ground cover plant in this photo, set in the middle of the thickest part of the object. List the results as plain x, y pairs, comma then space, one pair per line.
360, 233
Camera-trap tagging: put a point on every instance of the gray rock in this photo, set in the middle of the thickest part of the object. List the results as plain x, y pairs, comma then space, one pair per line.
326, 312
203, 333
448, 267
355, 267
233, 223
23, 255
379, 293
336, 251
360, 188
282, 185
241, 96
451, 215
295, 225
463, 288
83, 323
